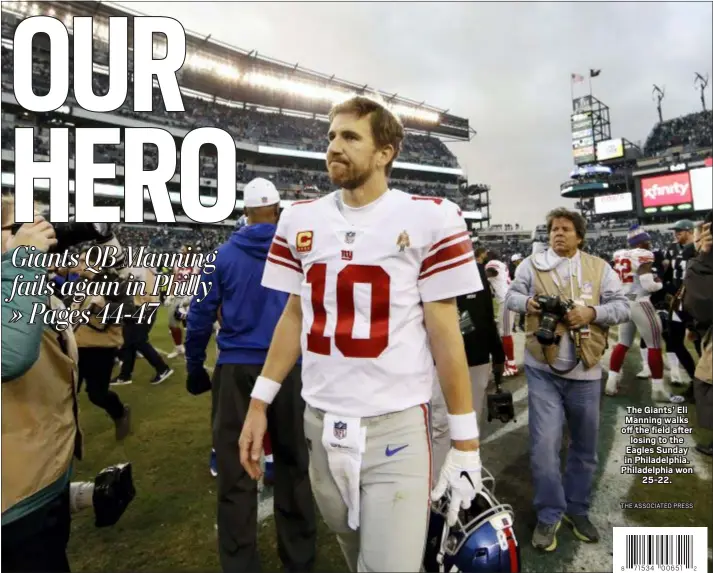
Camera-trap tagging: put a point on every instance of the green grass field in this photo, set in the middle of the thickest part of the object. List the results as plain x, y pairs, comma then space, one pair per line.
171, 523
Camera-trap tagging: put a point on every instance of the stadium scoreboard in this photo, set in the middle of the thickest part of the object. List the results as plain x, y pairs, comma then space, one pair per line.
583, 147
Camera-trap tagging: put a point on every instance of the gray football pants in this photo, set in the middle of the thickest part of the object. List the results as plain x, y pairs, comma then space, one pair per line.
395, 490
479, 376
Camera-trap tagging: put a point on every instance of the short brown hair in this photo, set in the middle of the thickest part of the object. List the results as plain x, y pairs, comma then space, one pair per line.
580, 224
386, 128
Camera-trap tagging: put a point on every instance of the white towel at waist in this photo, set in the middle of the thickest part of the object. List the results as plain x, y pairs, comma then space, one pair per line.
345, 441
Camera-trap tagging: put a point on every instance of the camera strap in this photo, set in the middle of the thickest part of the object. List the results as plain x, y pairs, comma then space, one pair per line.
577, 345
576, 338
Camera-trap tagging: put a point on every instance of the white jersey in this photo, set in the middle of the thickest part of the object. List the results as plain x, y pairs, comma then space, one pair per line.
362, 275
182, 274
626, 264
501, 282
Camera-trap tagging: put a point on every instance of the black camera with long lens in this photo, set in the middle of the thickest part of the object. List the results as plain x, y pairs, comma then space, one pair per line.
72, 233
553, 311
109, 494
113, 492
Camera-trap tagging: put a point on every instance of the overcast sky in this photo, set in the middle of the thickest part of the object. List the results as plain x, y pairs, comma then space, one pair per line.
506, 67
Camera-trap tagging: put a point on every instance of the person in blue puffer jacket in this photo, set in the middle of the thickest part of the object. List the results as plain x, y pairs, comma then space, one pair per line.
248, 313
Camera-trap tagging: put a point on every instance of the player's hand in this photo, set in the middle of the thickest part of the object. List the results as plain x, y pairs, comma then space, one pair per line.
532, 306
250, 442
704, 241
198, 380
39, 234
462, 473
580, 316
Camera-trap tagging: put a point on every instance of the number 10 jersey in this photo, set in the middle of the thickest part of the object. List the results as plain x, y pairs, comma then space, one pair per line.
362, 286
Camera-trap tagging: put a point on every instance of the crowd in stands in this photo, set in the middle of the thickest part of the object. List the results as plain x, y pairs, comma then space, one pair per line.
600, 245
171, 239
244, 122
692, 131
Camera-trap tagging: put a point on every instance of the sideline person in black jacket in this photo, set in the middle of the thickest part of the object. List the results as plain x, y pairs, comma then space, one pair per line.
482, 342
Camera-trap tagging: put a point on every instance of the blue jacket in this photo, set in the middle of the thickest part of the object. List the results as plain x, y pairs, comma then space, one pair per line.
249, 312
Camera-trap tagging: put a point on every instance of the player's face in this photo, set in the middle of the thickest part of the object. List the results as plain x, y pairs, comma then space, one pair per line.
683, 237
82, 269
351, 155
563, 237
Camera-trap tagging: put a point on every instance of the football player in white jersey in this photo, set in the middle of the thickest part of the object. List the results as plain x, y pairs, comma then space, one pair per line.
178, 307
372, 274
634, 267
499, 278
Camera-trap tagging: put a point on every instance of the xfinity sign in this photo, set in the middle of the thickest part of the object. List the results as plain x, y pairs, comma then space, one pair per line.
666, 190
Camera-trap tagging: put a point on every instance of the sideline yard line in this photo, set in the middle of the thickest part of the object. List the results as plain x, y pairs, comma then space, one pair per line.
609, 491
605, 509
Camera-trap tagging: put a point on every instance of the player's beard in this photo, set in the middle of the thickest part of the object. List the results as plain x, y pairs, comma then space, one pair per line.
351, 177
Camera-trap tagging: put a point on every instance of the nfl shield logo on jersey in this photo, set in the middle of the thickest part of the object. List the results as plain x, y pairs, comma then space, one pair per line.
349, 237
340, 430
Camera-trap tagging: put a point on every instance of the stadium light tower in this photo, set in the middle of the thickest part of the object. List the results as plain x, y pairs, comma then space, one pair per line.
659, 94
701, 83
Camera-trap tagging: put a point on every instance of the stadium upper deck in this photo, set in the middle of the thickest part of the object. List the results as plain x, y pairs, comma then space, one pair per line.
274, 111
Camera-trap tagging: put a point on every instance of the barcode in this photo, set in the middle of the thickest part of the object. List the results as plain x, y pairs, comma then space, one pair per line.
659, 550
657, 547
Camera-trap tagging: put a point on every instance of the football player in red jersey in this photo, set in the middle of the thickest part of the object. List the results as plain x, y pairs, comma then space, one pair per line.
373, 274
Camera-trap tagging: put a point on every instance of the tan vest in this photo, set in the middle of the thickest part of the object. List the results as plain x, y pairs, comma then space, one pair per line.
96, 334
40, 428
593, 347
149, 278
704, 368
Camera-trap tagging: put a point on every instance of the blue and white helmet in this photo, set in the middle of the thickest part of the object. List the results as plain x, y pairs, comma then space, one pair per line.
482, 540
637, 235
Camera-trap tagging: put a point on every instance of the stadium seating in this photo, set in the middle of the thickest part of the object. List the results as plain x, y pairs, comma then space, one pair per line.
692, 131
300, 133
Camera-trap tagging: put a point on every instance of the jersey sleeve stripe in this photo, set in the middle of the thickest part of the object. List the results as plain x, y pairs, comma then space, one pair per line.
442, 242
295, 267
453, 265
283, 252
278, 239
447, 254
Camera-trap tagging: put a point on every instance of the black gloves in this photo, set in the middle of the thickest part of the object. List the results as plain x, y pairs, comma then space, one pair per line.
198, 380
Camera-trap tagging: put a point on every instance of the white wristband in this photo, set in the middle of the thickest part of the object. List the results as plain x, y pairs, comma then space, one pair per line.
265, 389
463, 426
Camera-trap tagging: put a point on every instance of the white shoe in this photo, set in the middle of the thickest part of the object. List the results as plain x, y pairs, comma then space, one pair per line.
645, 372
612, 387
659, 393
675, 378
510, 368
178, 351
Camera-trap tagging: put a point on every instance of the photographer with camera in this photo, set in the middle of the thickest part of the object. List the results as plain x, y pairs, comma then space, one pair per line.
571, 298
40, 430
99, 342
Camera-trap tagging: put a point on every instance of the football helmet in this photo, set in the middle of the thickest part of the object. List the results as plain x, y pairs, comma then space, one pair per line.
482, 540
